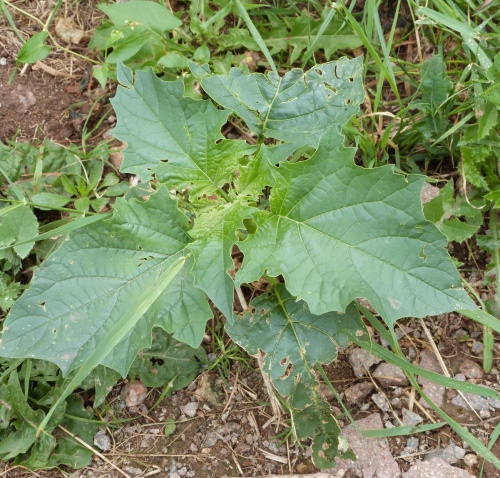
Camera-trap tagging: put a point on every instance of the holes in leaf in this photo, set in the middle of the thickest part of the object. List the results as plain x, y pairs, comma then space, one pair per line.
288, 371
319, 72
219, 141
351, 79
54, 331
42, 305
283, 361
331, 88
347, 101
335, 72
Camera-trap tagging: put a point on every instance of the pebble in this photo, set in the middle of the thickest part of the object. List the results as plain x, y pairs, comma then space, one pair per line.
182, 471
174, 475
358, 391
477, 347
134, 393
388, 375
470, 459
411, 418
412, 444
3, 61
132, 470
102, 440
435, 468
361, 360
471, 369
475, 401
428, 361
380, 399
451, 454
190, 409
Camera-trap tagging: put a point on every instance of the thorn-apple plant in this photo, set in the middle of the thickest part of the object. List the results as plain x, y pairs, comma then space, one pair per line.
330, 231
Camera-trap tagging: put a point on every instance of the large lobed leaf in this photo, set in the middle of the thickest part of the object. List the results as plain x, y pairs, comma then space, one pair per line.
295, 108
337, 232
95, 278
176, 137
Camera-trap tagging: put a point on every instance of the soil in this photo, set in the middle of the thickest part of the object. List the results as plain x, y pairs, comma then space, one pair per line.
240, 435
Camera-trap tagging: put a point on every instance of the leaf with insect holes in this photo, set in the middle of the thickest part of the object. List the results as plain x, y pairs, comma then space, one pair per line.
96, 276
295, 108
167, 362
176, 137
337, 231
294, 340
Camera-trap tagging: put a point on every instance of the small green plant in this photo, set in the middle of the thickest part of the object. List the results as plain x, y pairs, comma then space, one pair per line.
145, 34
330, 231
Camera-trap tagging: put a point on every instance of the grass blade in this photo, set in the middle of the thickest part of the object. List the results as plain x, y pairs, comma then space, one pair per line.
256, 35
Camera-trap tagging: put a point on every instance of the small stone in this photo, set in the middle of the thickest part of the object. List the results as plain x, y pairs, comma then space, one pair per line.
191, 473
374, 458
412, 353
3, 61
211, 440
428, 193
380, 399
175, 475
134, 393
190, 409
475, 401
470, 460
477, 347
428, 361
146, 442
193, 448
358, 391
411, 418
132, 470
388, 375
435, 468
182, 471
102, 440
361, 360
412, 444
451, 454
471, 369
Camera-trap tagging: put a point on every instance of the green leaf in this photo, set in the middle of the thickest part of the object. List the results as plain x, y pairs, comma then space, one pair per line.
50, 200
68, 451
190, 151
337, 232
101, 379
26, 421
167, 360
293, 338
295, 108
170, 426
150, 15
17, 225
445, 212
435, 83
34, 49
94, 278
294, 341
215, 233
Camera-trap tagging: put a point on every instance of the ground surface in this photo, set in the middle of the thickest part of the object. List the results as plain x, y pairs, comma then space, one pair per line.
233, 432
